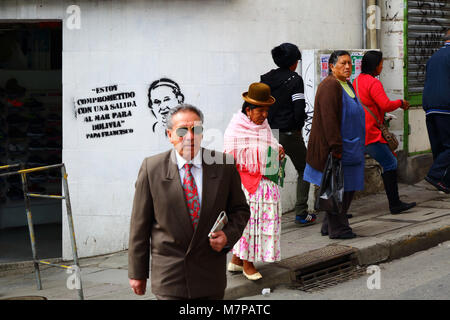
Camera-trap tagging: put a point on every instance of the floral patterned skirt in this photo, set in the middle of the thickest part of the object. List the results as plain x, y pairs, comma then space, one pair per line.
260, 240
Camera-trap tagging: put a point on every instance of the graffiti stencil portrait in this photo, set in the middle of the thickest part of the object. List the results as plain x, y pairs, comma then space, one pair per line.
163, 95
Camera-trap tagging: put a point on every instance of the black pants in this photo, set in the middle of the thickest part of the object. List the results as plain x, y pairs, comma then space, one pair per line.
295, 149
439, 134
336, 224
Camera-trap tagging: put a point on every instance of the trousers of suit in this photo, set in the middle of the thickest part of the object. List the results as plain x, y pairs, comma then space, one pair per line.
214, 297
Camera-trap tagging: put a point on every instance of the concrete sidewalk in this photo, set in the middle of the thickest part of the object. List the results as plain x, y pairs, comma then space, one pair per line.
381, 237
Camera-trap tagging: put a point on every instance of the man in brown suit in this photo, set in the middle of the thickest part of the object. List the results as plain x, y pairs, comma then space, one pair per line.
173, 224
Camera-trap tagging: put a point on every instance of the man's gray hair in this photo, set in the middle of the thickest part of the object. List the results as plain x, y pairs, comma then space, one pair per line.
182, 108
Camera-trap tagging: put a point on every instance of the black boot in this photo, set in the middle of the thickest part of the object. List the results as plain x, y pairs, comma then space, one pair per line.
391, 187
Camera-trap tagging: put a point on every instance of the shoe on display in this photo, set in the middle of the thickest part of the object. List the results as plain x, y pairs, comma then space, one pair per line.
16, 133
35, 188
16, 119
36, 120
54, 117
36, 161
53, 145
33, 105
53, 132
13, 89
35, 131
54, 159
13, 147
36, 145
38, 177
54, 174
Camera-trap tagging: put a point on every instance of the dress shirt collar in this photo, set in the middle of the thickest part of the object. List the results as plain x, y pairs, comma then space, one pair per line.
196, 162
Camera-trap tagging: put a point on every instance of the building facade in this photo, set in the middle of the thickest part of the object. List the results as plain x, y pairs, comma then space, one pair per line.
123, 64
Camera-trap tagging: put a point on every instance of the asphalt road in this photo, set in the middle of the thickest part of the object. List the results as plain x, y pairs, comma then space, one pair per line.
424, 275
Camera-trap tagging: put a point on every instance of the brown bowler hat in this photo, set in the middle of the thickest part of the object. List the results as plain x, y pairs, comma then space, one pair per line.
259, 95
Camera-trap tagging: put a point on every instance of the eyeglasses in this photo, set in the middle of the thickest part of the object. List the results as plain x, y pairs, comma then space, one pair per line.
182, 131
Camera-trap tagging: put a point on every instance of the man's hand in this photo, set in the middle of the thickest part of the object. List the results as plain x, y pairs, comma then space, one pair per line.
218, 240
138, 286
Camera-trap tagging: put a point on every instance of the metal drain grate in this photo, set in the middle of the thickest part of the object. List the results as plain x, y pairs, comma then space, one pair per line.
326, 278
322, 268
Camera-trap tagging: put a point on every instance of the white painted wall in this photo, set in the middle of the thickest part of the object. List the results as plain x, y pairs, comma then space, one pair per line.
392, 24
392, 20
212, 49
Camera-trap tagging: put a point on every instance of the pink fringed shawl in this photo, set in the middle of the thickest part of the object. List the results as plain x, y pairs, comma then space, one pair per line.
249, 144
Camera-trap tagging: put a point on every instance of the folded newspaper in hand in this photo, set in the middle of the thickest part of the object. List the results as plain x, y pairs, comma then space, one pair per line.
221, 221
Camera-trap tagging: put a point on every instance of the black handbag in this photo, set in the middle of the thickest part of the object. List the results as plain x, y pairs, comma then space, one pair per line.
331, 191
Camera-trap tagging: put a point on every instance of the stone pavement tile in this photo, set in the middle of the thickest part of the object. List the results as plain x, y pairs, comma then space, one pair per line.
373, 228
440, 204
420, 228
409, 193
108, 276
419, 214
95, 290
123, 294
117, 261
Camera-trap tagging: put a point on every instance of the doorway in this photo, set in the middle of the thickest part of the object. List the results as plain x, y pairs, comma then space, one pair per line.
30, 135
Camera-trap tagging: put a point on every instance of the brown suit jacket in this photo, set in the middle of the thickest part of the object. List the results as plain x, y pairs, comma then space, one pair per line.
183, 264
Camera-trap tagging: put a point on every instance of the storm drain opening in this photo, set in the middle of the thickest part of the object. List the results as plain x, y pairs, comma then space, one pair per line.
322, 268
329, 277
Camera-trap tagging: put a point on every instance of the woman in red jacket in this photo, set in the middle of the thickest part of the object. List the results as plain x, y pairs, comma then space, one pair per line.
372, 96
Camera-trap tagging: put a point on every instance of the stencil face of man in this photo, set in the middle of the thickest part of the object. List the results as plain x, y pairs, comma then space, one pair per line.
163, 97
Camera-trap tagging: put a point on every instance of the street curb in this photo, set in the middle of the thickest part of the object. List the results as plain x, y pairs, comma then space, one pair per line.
386, 251
408, 245
273, 276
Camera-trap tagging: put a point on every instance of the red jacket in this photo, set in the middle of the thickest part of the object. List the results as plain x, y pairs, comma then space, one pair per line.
372, 95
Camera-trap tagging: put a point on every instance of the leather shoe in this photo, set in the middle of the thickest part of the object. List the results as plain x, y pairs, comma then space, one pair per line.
253, 277
348, 235
234, 267
402, 206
